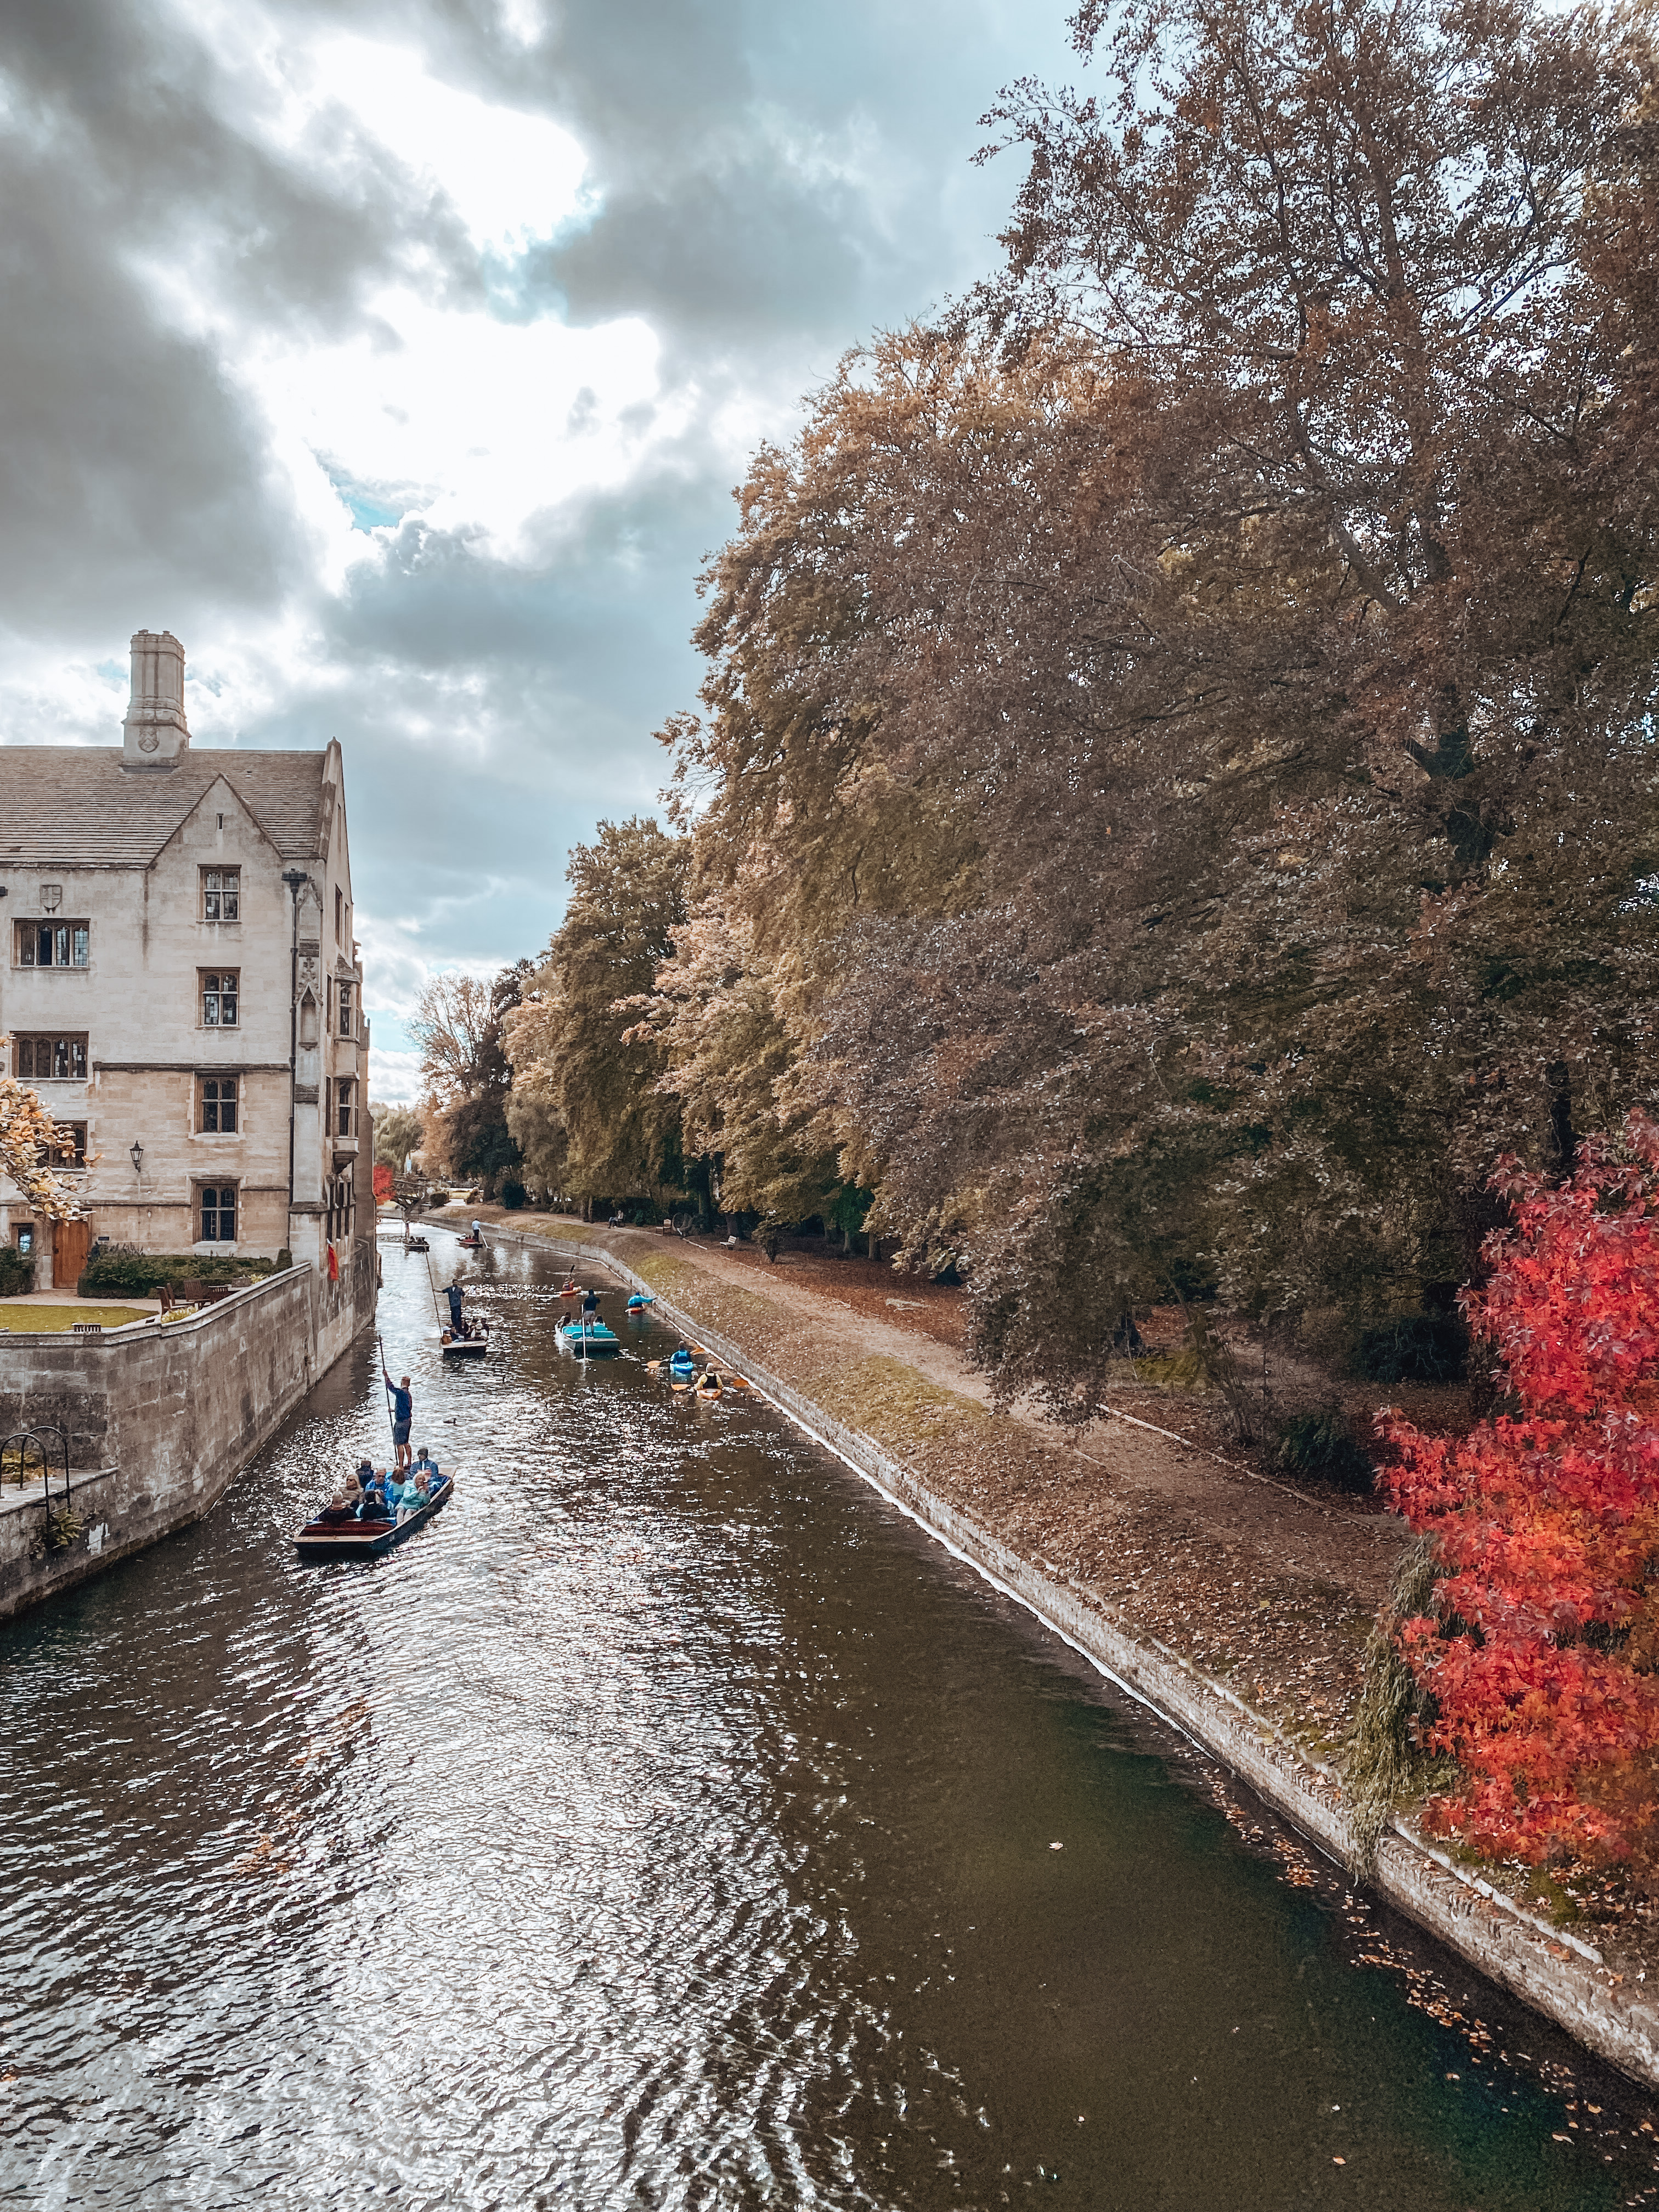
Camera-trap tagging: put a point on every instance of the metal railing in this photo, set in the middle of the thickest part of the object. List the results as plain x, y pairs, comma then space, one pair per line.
24, 1446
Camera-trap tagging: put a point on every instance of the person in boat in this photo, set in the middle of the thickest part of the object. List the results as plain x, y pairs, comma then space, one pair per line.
711, 1380
591, 1306
402, 1416
458, 1327
426, 1470
681, 1365
477, 1231
346, 1503
374, 1506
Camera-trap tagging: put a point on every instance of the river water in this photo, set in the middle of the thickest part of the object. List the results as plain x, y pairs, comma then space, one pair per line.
671, 1824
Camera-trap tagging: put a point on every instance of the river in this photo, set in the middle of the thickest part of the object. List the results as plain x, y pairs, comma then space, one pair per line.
671, 1823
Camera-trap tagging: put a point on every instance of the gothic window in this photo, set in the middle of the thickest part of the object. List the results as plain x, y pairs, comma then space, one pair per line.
221, 892
345, 1096
71, 1150
51, 1059
346, 1004
216, 1104
218, 1206
219, 996
52, 944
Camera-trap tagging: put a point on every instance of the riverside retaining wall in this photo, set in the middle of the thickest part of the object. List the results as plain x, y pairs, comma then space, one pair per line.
1561, 1976
161, 1418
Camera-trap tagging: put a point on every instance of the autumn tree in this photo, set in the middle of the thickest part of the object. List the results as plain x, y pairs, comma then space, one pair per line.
1177, 759
1538, 1659
458, 1028
584, 1101
398, 1132
731, 1061
30, 1141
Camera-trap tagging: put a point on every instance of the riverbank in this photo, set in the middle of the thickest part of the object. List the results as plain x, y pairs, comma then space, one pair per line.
1235, 1604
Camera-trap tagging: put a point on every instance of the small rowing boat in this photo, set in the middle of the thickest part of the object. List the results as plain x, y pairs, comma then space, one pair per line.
709, 1385
639, 1302
471, 1244
417, 1244
336, 1533
588, 1339
465, 1348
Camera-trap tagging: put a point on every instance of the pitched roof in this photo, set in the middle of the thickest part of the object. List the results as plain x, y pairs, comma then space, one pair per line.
75, 806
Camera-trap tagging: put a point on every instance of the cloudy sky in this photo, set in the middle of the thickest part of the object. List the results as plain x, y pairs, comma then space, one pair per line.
401, 359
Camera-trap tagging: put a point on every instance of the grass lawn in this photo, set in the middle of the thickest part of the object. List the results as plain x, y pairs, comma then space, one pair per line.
45, 1317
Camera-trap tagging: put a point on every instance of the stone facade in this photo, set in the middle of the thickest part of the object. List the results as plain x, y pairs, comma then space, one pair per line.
179, 982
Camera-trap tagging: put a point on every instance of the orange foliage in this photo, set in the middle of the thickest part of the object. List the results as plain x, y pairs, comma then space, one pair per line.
1541, 1655
382, 1183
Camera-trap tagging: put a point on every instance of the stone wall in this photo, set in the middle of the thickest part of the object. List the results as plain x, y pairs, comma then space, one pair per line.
161, 1418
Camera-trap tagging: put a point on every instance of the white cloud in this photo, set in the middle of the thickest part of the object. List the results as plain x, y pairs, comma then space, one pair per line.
475, 424
512, 177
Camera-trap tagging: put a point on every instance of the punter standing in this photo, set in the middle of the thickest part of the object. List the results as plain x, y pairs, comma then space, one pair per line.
403, 1414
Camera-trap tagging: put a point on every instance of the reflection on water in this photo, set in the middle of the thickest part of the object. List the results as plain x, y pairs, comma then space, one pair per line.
669, 1823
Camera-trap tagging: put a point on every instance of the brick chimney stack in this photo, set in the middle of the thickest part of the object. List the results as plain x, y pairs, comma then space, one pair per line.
155, 732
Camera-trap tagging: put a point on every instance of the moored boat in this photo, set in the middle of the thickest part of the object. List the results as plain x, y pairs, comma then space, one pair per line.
336, 1533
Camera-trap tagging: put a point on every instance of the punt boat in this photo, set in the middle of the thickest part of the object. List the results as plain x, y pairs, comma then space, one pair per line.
336, 1533
466, 1348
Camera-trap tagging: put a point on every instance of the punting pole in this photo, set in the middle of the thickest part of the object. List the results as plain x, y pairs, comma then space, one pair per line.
390, 1420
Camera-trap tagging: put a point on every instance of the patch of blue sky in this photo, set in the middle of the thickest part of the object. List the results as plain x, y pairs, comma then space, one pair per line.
369, 510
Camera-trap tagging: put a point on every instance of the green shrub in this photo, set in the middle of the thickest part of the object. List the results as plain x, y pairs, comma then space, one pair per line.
513, 1196
1318, 1447
16, 1273
1416, 1348
140, 1275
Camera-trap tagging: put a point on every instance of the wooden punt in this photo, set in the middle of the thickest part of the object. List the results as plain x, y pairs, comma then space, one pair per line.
341, 1535
465, 1348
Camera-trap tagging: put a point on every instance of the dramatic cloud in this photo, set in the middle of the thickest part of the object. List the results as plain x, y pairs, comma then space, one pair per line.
401, 359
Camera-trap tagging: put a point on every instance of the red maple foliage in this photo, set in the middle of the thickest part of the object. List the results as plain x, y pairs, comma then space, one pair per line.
382, 1183
1540, 1655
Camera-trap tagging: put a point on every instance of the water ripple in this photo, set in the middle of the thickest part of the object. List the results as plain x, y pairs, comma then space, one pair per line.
667, 1826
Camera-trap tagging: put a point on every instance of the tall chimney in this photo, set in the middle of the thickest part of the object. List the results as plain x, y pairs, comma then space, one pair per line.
155, 732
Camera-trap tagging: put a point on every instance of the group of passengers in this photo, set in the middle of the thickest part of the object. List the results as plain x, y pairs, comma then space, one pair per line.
460, 1329
372, 1493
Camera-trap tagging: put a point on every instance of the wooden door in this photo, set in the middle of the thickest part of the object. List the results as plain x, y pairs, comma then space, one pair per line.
70, 1242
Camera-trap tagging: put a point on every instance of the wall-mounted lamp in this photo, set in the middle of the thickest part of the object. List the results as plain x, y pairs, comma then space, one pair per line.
137, 1158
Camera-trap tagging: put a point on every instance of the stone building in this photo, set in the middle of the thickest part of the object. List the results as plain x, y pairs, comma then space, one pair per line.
179, 982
